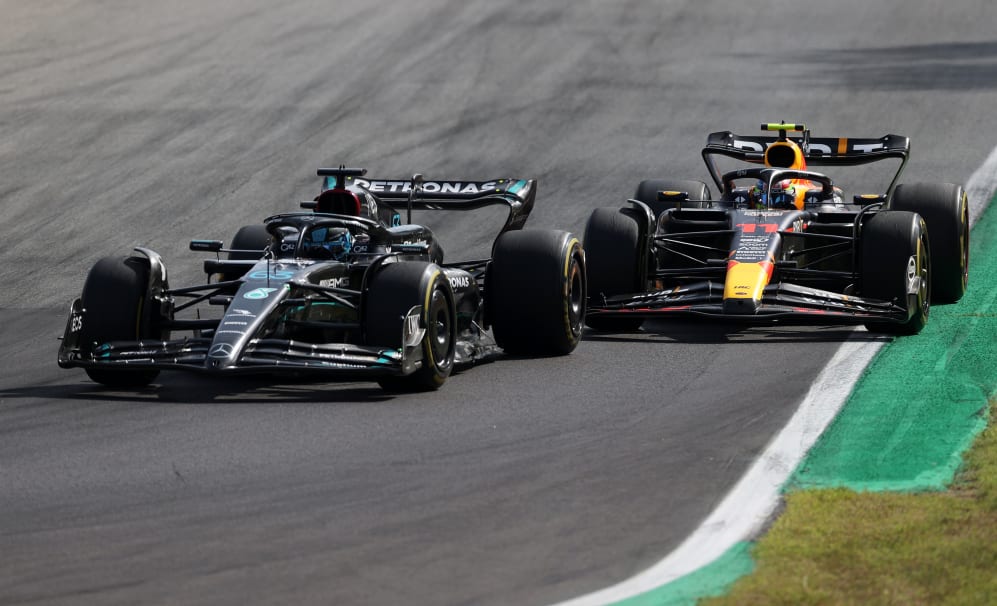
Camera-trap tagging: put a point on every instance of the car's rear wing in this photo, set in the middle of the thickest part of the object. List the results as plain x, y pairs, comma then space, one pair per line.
417, 193
818, 151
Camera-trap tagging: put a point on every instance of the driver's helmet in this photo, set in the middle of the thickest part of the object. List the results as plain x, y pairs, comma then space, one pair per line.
783, 195
328, 243
787, 193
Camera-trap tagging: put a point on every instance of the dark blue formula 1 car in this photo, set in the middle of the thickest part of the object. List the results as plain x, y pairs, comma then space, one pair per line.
343, 289
781, 242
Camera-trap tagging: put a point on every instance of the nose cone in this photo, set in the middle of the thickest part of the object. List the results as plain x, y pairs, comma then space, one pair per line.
740, 307
744, 286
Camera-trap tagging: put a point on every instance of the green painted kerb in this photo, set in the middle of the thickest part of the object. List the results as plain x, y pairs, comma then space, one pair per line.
923, 399
712, 580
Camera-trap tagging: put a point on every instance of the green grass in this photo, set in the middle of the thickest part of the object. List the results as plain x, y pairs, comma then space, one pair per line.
838, 546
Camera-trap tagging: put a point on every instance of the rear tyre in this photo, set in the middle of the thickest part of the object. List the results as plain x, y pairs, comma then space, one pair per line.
535, 292
116, 308
946, 213
647, 192
395, 289
248, 243
896, 266
612, 255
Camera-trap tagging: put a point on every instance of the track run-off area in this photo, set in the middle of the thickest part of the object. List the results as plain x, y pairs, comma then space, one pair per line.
521, 481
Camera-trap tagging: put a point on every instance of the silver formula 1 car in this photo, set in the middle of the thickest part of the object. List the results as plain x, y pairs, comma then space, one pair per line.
343, 289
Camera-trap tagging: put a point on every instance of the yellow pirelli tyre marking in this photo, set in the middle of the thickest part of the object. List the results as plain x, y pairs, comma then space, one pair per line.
566, 276
426, 347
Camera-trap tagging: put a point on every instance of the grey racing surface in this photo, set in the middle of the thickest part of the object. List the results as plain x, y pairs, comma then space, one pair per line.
521, 481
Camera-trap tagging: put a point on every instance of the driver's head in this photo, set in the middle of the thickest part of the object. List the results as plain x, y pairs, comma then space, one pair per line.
785, 154
783, 195
329, 243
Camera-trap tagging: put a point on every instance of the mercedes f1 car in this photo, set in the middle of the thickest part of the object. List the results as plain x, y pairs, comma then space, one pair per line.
780, 242
342, 289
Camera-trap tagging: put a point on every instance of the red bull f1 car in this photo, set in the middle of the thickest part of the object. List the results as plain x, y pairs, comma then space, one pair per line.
342, 289
780, 242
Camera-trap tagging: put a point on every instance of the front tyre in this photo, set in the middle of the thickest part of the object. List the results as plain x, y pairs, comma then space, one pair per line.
249, 242
896, 266
247, 245
946, 213
393, 291
535, 292
647, 192
613, 255
116, 308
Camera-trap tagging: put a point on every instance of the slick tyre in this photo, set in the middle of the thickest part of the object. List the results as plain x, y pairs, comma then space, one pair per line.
393, 291
647, 192
946, 213
614, 263
116, 308
535, 292
247, 244
896, 266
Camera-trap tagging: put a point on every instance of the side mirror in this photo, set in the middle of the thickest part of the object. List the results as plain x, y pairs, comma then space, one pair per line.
867, 199
206, 245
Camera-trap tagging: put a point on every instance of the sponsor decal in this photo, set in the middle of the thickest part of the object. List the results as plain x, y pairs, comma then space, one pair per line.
748, 145
221, 350
243, 312
752, 248
869, 147
749, 228
259, 293
431, 187
231, 323
275, 274
459, 281
820, 148
335, 282
287, 246
815, 147
361, 243
763, 213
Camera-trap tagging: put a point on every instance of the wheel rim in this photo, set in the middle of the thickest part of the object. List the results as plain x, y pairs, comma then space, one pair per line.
919, 268
439, 329
576, 298
964, 242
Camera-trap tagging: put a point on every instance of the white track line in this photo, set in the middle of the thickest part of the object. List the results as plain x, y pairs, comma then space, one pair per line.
747, 507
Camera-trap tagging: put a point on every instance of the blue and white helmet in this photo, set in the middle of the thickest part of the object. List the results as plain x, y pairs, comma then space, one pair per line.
329, 243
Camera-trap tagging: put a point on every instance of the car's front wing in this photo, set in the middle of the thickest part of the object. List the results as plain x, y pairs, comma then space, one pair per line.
259, 355
782, 302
